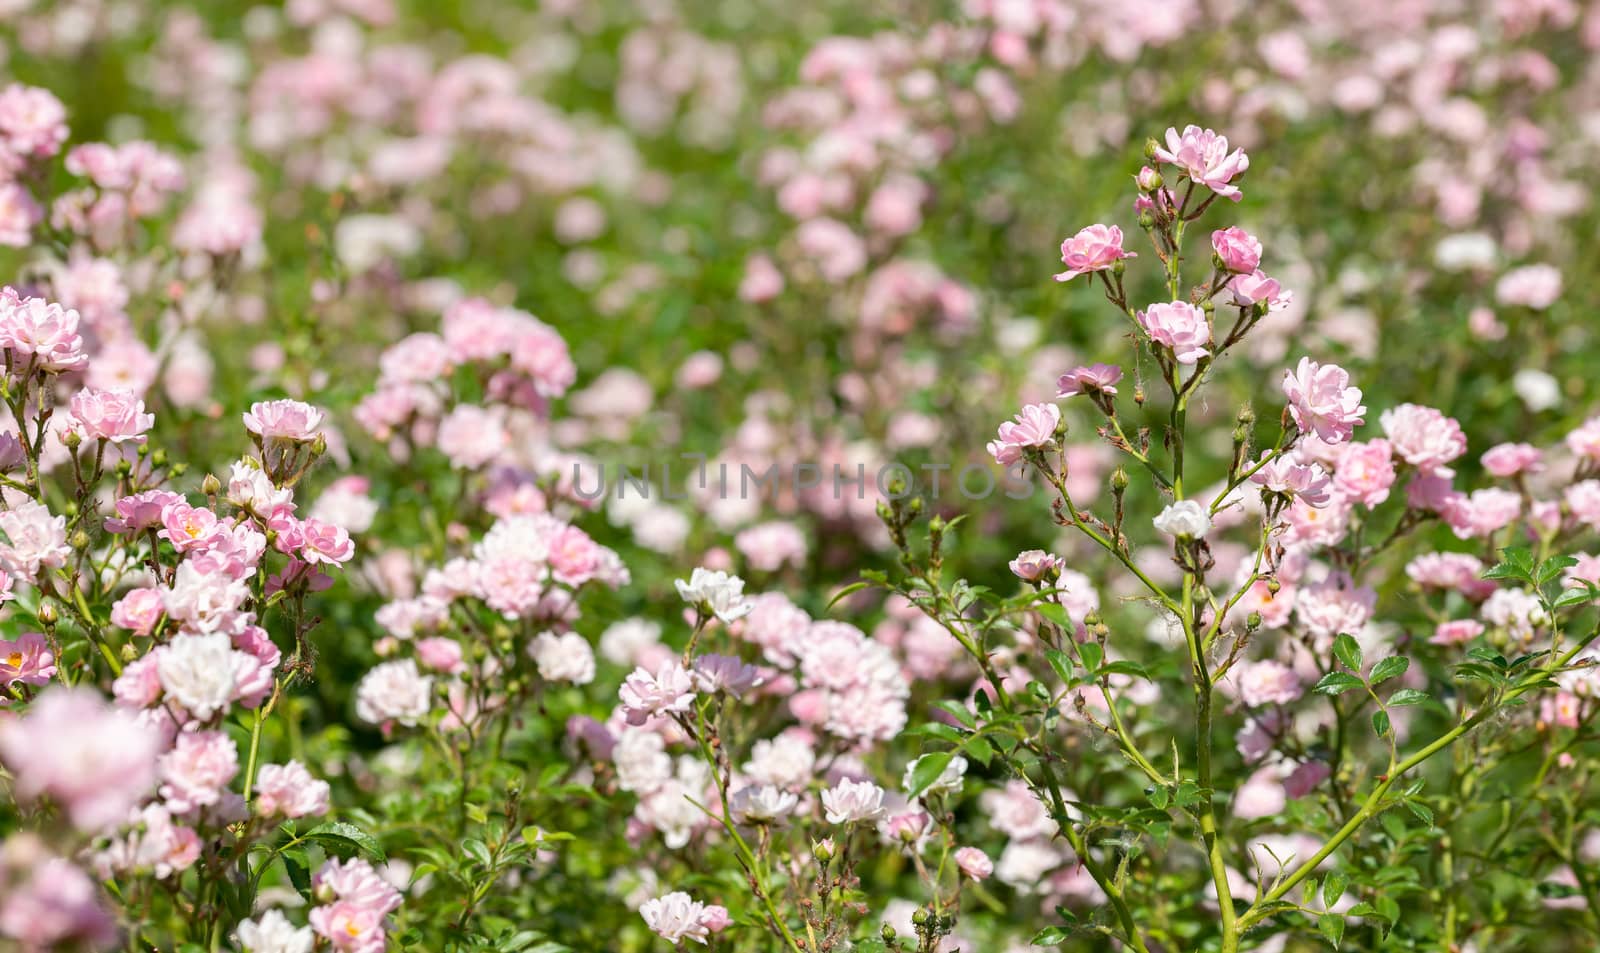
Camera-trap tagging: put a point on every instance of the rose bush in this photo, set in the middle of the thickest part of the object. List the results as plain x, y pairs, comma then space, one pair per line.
613, 476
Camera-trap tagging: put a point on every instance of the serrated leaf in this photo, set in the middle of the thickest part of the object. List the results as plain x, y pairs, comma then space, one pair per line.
1422, 811
1380, 722
927, 770
1331, 926
1407, 696
1061, 662
1348, 651
959, 712
346, 839
1336, 683
1389, 668
1553, 567
1049, 936
1055, 614
979, 749
1572, 597
1159, 795
299, 872
1477, 673
936, 729
1333, 888
1124, 667
1485, 654
1092, 656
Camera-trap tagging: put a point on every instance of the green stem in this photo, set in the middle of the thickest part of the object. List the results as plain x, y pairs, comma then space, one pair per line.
1374, 802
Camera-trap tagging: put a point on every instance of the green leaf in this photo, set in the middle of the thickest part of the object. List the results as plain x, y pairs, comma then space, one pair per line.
477, 850
1516, 562
1333, 888
1485, 654
296, 866
1092, 656
346, 839
1477, 673
1389, 668
936, 729
927, 770
1331, 926
1553, 567
1124, 667
1348, 651
1159, 795
959, 712
1380, 722
1054, 613
849, 590
1061, 662
1407, 696
980, 750
1337, 683
1572, 597
1049, 936
1422, 811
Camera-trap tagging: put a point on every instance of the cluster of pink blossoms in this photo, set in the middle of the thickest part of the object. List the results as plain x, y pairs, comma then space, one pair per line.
521, 364
842, 688
33, 127
39, 335
526, 567
355, 903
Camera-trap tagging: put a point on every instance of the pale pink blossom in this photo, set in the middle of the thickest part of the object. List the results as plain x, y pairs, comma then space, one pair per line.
1204, 158
1034, 564
289, 421
324, 543
1258, 288
668, 690
1287, 476
974, 863
849, 802
1322, 401
1094, 248
34, 539
1267, 683
1335, 606
290, 790
1094, 378
1365, 472
40, 333
676, 917
1512, 459
114, 415
1238, 250
196, 772
1034, 427
94, 760
1584, 441
28, 659
394, 691
1456, 631
563, 658
33, 123
1423, 436
1180, 326
1531, 286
